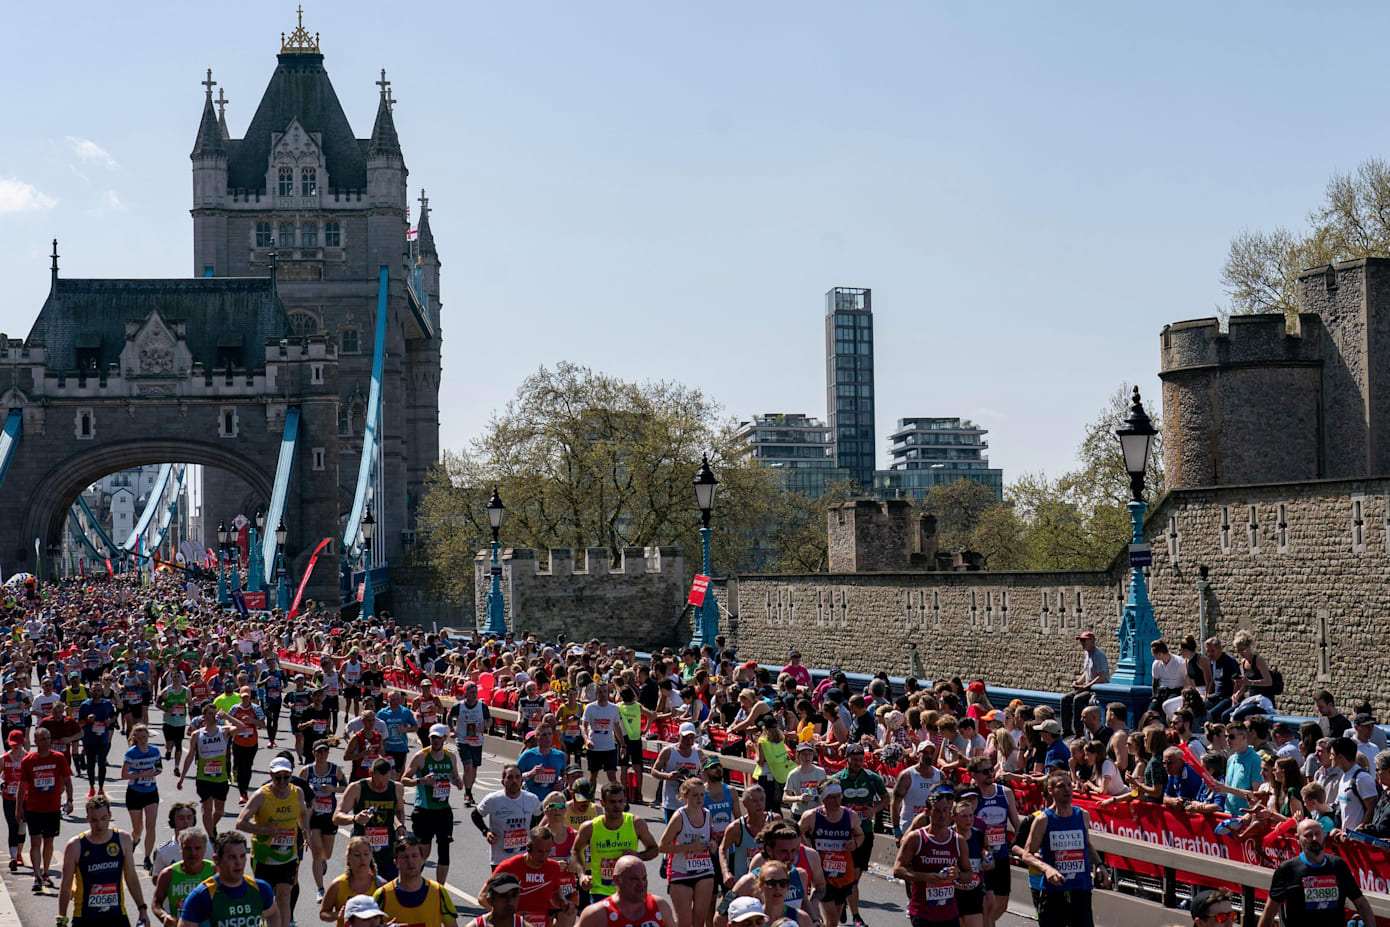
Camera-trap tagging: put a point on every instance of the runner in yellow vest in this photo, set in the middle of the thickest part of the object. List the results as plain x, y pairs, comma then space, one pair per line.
615, 834
275, 817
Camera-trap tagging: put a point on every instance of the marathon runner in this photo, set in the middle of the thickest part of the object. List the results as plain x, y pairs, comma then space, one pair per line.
98, 869
209, 749
541, 880
44, 776
327, 782
410, 898
231, 898
934, 862
142, 763
471, 720
434, 772
835, 833
276, 817
175, 882
628, 903
375, 808
601, 841
865, 795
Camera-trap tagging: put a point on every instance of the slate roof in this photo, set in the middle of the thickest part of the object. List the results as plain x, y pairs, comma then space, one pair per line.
299, 89
217, 311
384, 138
210, 139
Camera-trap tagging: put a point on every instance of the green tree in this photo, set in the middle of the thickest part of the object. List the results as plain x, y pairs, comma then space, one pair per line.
1353, 221
586, 460
800, 530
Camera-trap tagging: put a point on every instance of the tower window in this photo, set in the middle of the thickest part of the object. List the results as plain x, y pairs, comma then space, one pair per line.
286, 239
265, 237
309, 181
287, 181
344, 423
351, 344
332, 235
309, 235
304, 323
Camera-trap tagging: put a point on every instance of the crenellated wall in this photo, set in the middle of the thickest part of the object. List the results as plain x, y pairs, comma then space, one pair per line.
637, 602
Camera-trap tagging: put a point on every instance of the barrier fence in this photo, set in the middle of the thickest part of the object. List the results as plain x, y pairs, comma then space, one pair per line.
1146, 840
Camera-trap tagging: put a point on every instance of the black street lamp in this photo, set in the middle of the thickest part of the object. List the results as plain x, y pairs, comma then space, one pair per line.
707, 614
1136, 439
496, 606
704, 492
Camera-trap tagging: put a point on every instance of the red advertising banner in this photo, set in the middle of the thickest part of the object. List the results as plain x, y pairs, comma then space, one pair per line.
697, 590
308, 571
255, 601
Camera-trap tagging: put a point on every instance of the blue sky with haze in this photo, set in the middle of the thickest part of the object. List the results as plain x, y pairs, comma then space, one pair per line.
666, 191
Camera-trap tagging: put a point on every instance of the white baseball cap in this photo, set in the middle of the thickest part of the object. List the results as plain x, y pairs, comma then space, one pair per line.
283, 765
361, 906
689, 728
438, 730
744, 908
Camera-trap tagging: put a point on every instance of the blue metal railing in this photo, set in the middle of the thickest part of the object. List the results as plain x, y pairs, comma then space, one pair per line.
79, 533
113, 548
371, 436
279, 491
9, 440
167, 515
156, 496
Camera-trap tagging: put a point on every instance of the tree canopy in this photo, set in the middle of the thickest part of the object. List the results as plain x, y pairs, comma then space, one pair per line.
1353, 221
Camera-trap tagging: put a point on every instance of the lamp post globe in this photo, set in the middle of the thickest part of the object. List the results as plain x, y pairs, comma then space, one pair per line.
707, 612
1138, 629
496, 606
223, 538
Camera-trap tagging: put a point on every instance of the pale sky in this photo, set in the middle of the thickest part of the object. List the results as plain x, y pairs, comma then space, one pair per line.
667, 190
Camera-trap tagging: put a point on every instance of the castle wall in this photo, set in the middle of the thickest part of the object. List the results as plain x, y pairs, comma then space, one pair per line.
636, 603
1311, 588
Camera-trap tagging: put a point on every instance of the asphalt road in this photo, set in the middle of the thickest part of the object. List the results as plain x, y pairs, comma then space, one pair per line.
882, 897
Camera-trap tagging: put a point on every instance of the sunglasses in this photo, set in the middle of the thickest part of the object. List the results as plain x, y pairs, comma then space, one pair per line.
778, 883
1228, 917
280, 777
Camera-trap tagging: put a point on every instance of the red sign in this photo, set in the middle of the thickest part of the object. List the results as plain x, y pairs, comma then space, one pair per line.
308, 571
697, 590
255, 601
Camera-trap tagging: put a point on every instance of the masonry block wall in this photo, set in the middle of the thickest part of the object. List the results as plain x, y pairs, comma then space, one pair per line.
637, 602
1302, 566
867, 536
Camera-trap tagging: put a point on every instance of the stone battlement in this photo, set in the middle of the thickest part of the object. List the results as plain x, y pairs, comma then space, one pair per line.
637, 601
1250, 340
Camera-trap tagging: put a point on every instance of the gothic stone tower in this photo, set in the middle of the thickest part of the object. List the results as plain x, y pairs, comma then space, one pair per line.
302, 198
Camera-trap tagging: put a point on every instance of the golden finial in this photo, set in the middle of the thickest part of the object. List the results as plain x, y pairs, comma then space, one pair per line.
299, 41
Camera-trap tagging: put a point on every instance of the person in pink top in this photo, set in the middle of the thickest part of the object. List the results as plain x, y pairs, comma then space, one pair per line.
795, 670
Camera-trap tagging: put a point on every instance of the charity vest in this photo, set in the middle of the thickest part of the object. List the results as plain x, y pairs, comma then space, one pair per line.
98, 886
211, 756
631, 718
435, 797
381, 828
234, 912
605, 848
284, 814
430, 912
181, 883
1065, 849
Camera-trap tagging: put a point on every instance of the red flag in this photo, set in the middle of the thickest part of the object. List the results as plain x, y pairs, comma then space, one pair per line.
1195, 764
109, 571
308, 571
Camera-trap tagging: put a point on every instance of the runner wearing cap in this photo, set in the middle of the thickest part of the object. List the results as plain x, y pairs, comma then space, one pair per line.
275, 817
433, 771
676, 762
603, 840
933, 860
327, 782
999, 810
866, 795
362, 911
541, 877
410, 898
1212, 908
629, 904
502, 894
9, 775
720, 799
803, 782
835, 833
231, 898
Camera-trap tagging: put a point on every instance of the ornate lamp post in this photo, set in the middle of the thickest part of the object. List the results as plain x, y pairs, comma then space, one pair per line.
255, 569
496, 608
707, 614
368, 596
282, 587
1137, 628
222, 536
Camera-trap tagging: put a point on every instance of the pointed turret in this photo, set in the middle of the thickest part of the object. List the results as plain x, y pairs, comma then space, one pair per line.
210, 137
384, 138
424, 238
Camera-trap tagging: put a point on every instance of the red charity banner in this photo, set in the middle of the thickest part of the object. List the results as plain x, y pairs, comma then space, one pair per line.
697, 590
308, 571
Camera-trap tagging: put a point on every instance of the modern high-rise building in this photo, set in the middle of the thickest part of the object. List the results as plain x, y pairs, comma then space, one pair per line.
797, 448
929, 452
849, 380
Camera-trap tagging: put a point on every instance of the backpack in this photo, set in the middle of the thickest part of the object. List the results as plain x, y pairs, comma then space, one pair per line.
1276, 682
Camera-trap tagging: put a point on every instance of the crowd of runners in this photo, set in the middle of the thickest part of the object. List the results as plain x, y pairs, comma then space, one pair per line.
379, 729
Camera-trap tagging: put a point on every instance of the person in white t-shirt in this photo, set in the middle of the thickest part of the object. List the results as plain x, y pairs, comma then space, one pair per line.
1169, 674
505, 817
600, 722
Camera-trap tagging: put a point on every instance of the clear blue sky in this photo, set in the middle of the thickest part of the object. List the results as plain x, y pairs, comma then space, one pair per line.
666, 191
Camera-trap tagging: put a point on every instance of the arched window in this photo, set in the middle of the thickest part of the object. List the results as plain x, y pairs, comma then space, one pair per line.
304, 323
309, 181
359, 416
309, 235
287, 181
344, 423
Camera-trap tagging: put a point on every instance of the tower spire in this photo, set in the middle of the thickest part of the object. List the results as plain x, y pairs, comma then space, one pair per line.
54, 267
210, 134
299, 41
424, 238
222, 102
384, 138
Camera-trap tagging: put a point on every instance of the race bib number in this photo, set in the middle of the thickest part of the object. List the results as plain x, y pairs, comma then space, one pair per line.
323, 804
427, 718
939, 894
997, 834
105, 895
98, 728
835, 862
12, 790
603, 725
178, 711
213, 767
320, 726
698, 862
1069, 851
44, 783
1320, 892
532, 919
378, 837
605, 870
514, 838
470, 734
545, 775
282, 841
441, 792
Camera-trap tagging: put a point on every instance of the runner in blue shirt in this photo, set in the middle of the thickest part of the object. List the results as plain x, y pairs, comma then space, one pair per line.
95, 715
542, 766
396, 721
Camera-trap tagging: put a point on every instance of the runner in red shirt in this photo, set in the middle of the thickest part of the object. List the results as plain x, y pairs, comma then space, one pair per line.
10, 770
540, 878
43, 774
629, 905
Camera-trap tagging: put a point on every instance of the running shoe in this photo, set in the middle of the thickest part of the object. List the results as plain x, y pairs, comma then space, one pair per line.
14, 865
38, 885
91, 793
320, 896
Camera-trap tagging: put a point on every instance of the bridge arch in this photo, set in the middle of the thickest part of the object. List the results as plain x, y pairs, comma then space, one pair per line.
51, 497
